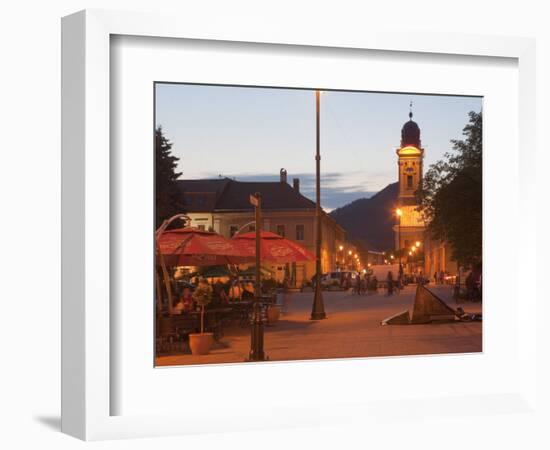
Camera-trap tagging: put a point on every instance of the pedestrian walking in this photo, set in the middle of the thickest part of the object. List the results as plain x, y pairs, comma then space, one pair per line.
368, 283
389, 281
374, 284
356, 284
470, 286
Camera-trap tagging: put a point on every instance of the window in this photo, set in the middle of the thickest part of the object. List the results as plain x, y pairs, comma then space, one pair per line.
409, 181
407, 243
281, 230
200, 227
232, 230
299, 232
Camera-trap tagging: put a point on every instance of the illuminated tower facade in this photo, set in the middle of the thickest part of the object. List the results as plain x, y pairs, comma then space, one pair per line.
409, 229
409, 162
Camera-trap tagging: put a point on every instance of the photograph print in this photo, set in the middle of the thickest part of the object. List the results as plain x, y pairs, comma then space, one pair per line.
307, 224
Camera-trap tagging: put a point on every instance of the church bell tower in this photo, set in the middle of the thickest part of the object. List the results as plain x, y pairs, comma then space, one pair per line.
409, 162
410, 225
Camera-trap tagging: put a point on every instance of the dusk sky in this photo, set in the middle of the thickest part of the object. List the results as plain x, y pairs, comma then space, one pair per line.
251, 133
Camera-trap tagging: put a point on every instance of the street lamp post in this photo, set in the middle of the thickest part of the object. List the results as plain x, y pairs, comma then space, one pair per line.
257, 332
318, 308
399, 213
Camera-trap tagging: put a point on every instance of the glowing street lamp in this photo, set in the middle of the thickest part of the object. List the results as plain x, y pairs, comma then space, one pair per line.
340, 248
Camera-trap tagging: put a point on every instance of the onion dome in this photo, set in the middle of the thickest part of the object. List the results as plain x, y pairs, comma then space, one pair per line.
410, 133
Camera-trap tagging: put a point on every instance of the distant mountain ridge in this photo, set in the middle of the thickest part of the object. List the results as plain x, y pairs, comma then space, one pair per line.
371, 219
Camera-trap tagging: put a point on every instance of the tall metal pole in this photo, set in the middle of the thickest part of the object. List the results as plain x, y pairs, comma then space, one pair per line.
400, 275
318, 308
399, 237
257, 331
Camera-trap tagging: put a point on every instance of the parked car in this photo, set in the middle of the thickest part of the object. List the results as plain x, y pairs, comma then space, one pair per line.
333, 278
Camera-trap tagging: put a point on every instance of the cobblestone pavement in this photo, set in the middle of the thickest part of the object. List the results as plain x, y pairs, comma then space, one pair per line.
352, 329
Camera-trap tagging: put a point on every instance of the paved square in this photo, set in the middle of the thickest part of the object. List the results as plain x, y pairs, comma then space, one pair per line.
352, 329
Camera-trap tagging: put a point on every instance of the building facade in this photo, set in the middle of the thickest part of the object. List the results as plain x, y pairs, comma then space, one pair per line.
222, 205
438, 258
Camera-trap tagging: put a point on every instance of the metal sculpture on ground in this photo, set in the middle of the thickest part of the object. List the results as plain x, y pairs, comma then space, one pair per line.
429, 308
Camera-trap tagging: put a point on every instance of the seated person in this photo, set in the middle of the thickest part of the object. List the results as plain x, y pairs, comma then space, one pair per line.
185, 302
248, 292
220, 295
235, 292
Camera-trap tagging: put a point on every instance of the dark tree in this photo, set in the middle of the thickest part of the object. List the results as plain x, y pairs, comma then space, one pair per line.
451, 195
167, 197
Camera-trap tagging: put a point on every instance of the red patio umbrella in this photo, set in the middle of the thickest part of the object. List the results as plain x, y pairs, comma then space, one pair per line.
274, 248
195, 247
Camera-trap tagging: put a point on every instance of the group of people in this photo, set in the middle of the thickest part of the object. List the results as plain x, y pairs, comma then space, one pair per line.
439, 277
365, 284
473, 284
185, 301
222, 293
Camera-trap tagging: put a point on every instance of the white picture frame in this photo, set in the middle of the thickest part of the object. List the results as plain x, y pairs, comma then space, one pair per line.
86, 244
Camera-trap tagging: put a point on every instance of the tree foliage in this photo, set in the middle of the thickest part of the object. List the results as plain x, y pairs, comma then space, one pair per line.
450, 196
167, 197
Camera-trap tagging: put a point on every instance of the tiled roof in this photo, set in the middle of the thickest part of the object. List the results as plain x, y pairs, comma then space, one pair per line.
203, 185
201, 195
230, 195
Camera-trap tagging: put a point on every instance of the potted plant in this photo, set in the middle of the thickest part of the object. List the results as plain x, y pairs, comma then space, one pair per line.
273, 311
201, 343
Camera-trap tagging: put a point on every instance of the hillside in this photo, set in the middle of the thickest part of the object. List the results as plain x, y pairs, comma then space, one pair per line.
371, 219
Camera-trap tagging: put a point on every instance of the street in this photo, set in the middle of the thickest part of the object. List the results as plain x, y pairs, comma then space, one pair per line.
352, 329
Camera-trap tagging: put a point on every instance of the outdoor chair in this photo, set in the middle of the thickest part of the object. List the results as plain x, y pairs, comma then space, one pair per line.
167, 336
185, 324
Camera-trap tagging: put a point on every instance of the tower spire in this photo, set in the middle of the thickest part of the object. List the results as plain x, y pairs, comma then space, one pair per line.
410, 110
